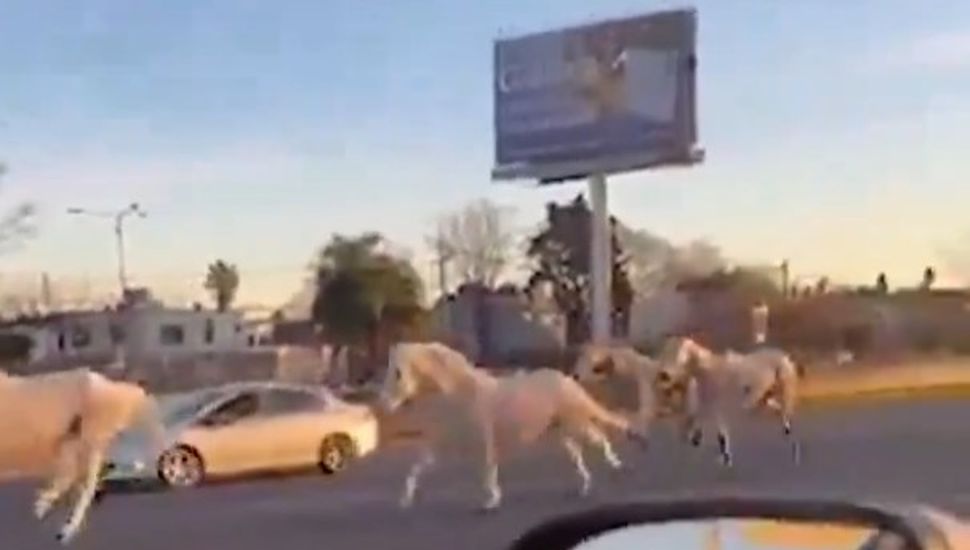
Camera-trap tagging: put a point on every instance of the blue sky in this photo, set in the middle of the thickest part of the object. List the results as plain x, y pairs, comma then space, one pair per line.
253, 130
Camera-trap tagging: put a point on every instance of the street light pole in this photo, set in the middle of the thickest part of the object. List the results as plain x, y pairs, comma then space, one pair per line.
118, 218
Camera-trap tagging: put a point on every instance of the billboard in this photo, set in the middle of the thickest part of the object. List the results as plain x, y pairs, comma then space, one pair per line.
604, 98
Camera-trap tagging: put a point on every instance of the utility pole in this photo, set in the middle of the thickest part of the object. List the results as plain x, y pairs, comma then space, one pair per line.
46, 294
784, 278
118, 217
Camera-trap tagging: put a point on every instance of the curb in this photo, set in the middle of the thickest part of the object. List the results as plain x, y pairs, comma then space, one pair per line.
868, 396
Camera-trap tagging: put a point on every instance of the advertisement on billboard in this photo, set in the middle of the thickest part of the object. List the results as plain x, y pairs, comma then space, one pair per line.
604, 98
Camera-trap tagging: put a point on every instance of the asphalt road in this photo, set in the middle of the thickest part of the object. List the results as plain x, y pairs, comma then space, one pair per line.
916, 451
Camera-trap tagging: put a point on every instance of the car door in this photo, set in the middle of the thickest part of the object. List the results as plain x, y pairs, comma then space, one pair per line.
292, 426
223, 435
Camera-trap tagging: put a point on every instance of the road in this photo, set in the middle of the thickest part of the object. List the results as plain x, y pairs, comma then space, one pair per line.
916, 451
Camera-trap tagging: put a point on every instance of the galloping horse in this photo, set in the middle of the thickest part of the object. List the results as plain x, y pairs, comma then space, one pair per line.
657, 398
501, 413
57, 427
763, 380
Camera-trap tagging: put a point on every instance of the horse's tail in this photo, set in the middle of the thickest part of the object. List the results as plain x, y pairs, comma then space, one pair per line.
599, 414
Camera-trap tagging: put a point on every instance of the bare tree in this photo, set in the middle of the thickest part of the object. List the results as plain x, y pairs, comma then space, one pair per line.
654, 262
16, 224
479, 241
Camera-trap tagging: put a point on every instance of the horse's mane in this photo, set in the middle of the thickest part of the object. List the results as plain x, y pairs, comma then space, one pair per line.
456, 365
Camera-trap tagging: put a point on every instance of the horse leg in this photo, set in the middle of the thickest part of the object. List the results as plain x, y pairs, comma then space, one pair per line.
759, 395
724, 443
492, 489
793, 442
425, 461
599, 439
490, 474
88, 488
64, 474
575, 452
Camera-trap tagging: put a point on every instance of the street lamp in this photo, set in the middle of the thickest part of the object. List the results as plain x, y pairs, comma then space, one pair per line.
119, 218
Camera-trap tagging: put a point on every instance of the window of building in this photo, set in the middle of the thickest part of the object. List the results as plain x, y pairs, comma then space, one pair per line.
117, 333
210, 331
80, 337
172, 335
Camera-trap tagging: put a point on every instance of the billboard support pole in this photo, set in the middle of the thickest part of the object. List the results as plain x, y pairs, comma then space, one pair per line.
601, 261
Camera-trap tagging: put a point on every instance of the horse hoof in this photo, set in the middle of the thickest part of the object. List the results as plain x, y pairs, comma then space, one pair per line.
64, 536
491, 505
640, 439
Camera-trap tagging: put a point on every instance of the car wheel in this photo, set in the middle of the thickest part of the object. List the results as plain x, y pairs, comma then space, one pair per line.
181, 467
336, 452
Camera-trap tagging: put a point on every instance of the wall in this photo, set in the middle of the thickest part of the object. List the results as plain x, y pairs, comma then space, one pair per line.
658, 315
495, 328
145, 327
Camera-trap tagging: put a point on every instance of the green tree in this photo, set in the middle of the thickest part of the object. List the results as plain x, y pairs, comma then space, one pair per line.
222, 281
560, 252
364, 294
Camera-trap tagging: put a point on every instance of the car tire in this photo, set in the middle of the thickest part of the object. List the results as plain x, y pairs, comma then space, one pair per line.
181, 467
336, 452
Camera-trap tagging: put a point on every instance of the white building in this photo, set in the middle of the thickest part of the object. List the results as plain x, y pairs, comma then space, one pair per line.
140, 327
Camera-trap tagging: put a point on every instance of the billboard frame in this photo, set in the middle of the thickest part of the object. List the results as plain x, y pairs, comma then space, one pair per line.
597, 169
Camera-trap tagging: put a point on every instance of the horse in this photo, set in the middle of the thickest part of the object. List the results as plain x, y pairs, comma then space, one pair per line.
56, 428
764, 380
501, 414
655, 399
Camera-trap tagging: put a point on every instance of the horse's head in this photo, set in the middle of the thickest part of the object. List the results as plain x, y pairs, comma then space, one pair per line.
400, 383
594, 363
681, 358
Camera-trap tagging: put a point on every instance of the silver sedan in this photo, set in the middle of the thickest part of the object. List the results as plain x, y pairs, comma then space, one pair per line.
243, 428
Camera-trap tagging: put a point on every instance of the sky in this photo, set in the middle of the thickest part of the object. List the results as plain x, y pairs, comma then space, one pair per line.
252, 131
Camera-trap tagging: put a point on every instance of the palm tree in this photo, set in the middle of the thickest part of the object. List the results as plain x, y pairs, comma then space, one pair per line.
929, 277
882, 284
222, 281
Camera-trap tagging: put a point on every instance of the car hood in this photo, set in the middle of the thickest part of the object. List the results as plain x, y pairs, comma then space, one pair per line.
138, 445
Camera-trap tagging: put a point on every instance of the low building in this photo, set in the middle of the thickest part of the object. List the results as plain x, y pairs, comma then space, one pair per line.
497, 327
139, 327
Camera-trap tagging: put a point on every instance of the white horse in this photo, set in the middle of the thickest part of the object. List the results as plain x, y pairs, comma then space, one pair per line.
657, 397
56, 427
499, 414
763, 380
